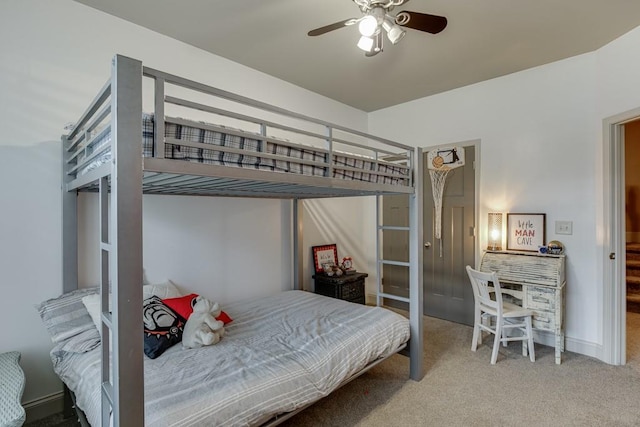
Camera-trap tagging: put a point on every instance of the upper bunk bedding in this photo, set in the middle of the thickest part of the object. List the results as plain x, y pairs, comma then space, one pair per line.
232, 147
279, 353
226, 144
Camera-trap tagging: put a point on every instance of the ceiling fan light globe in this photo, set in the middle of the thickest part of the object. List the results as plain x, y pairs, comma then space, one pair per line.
365, 43
395, 34
368, 26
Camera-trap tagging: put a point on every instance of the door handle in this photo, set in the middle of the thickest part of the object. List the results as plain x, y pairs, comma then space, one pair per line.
427, 245
612, 255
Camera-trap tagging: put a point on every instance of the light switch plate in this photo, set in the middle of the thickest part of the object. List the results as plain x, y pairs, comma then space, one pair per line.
564, 227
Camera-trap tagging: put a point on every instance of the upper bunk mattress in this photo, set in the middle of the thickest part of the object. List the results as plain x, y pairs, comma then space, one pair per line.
246, 153
280, 353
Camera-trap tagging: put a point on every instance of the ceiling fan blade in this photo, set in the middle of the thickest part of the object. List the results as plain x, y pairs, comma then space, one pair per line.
424, 22
331, 27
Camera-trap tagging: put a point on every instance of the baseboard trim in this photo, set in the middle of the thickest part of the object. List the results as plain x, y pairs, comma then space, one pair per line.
585, 347
44, 406
570, 344
371, 299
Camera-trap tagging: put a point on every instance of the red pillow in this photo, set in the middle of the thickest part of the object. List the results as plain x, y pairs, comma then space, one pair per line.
224, 317
184, 307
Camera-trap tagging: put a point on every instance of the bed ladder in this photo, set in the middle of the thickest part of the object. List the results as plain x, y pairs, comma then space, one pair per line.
414, 264
120, 208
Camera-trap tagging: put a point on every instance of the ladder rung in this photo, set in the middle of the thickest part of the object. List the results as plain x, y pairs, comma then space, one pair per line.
389, 262
106, 319
393, 227
107, 391
394, 297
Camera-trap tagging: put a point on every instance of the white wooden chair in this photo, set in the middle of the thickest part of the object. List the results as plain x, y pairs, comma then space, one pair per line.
498, 317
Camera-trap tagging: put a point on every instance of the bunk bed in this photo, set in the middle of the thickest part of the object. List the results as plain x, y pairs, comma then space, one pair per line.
229, 145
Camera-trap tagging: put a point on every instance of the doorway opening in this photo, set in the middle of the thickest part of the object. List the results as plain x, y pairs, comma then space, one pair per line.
621, 172
632, 239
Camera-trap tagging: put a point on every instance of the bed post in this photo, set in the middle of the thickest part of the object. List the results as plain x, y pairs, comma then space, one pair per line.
415, 272
69, 251
124, 251
297, 245
69, 226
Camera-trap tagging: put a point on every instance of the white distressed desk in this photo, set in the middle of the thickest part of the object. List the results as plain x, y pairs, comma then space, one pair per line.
536, 282
11, 387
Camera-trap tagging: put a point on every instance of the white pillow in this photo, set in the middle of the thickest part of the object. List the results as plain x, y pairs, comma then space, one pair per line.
162, 290
92, 303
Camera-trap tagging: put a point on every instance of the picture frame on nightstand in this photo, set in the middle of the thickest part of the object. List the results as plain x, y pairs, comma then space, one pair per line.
324, 254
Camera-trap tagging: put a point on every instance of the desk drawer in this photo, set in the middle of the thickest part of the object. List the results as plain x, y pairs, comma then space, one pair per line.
544, 320
541, 298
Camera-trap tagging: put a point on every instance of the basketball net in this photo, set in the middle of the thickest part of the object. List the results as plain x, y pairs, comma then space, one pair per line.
438, 178
440, 162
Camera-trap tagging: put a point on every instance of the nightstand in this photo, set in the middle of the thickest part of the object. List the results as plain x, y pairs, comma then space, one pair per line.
348, 287
11, 387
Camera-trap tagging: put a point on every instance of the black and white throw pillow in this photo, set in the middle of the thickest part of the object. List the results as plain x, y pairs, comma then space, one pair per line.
162, 327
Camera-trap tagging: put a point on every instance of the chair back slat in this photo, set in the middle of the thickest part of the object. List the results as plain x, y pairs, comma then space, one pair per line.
483, 284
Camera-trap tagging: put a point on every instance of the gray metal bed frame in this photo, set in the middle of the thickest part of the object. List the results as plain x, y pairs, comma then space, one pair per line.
122, 181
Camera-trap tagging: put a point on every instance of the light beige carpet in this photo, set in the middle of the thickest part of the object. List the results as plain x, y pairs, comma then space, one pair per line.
461, 388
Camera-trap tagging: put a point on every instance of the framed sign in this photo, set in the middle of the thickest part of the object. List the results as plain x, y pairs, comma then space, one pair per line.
525, 231
325, 254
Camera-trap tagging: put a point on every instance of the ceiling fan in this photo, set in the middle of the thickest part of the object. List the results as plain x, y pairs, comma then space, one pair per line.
377, 20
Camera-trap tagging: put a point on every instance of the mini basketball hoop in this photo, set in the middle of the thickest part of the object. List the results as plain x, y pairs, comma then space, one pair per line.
440, 162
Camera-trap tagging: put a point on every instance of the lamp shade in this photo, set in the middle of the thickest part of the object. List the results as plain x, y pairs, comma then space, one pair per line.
368, 26
395, 33
365, 43
494, 232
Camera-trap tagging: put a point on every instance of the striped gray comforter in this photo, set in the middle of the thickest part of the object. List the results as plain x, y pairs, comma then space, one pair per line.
280, 353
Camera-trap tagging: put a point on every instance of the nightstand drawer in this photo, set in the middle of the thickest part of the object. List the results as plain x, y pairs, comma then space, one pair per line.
353, 290
348, 287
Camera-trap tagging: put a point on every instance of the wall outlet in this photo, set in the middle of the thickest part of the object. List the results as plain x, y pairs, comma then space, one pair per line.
564, 227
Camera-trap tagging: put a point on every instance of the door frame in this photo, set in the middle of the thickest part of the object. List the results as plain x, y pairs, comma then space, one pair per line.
614, 238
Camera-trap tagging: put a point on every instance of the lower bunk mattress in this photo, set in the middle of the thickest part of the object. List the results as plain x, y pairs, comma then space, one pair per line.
280, 353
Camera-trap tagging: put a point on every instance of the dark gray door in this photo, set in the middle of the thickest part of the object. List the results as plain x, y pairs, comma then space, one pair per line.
447, 291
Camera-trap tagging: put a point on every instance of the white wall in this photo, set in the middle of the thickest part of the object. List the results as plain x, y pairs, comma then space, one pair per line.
54, 57
541, 151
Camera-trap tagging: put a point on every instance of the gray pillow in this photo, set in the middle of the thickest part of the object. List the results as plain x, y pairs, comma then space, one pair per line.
81, 343
66, 316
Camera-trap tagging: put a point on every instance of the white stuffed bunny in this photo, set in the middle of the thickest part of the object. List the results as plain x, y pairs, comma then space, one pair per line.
202, 328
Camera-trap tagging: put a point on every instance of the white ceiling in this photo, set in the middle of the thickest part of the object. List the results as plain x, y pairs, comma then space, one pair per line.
484, 39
